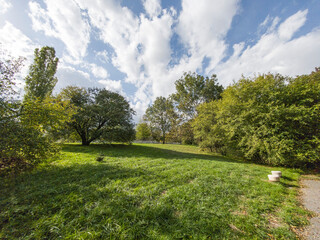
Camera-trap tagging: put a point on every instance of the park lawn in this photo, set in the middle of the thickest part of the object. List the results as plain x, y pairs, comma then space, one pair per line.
149, 191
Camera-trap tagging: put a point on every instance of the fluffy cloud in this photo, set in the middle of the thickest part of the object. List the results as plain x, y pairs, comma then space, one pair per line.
98, 71
15, 43
275, 51
152, 7
141, 44
292, 24
62, 20
4, 6
68, 75
203, 26
112, 85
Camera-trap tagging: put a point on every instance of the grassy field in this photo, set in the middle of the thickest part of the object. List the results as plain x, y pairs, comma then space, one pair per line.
146, 191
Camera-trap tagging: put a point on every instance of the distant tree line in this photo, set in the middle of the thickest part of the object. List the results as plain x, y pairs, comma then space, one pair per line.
30, 128
268, 119
169, 119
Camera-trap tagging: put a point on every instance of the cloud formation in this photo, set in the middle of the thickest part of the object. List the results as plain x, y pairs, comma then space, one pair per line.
152, 49
276, 51
65, 21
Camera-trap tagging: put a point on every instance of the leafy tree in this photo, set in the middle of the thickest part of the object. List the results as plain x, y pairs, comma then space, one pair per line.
160, 115
101, 115
187, 133
9, 67
25, 127
143, 131
270, 118
209, 134
193, 89
41, 80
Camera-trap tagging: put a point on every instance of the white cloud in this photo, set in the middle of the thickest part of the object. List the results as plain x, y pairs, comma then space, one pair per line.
103, 56
68, 75
202, 27
275, 52
141, 44
98, 71
62, 20
4, 6
152, 7
292, 25
112, 85
15, 43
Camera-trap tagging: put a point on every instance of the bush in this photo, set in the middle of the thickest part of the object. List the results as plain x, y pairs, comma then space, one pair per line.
270, 119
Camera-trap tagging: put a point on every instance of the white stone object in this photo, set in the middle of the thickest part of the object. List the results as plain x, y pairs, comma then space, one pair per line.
273, 178
276, 173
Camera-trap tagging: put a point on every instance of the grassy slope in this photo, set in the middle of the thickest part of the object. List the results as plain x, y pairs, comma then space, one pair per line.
148, 191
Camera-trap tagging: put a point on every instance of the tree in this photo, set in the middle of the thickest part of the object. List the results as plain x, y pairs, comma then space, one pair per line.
143, 132
23, 141
40, 80
160, 115
193, 89
209, 134
101, 114
270, 119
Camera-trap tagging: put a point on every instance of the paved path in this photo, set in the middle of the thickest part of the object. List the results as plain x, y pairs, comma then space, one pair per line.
311, 201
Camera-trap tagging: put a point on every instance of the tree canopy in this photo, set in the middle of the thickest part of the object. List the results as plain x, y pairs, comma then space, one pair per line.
193, 89
143, 132
41, 80
270, 118
159, 116
101, 115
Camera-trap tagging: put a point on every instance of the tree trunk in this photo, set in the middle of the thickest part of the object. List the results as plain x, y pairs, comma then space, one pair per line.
164, 138
85, 141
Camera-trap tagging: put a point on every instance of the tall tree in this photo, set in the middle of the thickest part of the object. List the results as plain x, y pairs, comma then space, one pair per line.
101, 115
41, 80
143, 131
9, 67
193, 89
159, 115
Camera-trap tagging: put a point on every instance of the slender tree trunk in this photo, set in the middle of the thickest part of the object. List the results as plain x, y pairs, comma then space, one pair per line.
164, 138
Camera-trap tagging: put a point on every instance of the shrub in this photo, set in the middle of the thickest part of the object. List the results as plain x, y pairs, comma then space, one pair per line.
270, 119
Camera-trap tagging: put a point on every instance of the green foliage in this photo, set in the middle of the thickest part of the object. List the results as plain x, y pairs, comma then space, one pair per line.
149, 191
25, 128
101, 115
41, 81
270, 119
193, 89
143, 132
160, 116
187, 133
209, 133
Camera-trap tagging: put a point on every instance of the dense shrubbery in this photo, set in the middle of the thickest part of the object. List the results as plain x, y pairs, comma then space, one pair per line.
270, 119
25, 126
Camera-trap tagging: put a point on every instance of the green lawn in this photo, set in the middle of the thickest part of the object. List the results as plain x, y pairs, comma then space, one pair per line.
147, 191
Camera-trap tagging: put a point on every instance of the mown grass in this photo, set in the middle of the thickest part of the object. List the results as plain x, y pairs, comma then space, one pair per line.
146, 191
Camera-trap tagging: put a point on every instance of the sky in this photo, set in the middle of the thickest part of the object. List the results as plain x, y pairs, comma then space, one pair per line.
139, 48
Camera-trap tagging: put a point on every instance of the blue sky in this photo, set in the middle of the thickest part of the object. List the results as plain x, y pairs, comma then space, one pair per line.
140, 47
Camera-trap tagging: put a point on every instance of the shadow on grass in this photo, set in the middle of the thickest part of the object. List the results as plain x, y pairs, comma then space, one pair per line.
50, 202
138, 151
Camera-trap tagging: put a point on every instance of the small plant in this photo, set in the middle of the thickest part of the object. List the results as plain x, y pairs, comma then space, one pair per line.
100, 157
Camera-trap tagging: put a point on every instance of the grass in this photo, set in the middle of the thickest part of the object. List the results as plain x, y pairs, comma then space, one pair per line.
146, 191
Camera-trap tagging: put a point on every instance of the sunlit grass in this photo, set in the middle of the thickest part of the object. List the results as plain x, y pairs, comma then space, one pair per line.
149, 192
